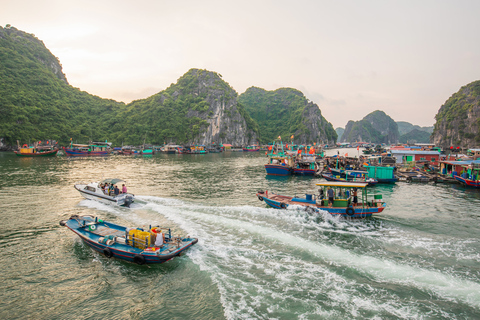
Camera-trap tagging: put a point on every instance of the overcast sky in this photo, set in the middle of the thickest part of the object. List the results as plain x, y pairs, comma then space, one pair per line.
349, 57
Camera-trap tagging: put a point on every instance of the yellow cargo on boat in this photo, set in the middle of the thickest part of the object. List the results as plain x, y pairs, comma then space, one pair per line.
140, 239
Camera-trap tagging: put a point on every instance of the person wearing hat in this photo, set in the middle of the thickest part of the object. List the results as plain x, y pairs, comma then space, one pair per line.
330, 194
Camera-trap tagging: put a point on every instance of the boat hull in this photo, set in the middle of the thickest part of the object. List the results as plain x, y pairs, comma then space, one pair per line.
304, 172
278, 170
77, 153
52, 153
468, 182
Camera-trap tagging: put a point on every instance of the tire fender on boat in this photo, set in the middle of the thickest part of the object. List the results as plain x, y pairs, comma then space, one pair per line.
260, 198
107, 253
350, 211
283, 205
139, 259
63, 223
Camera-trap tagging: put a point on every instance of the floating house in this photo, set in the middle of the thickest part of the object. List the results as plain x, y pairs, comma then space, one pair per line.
406, 156
453, 168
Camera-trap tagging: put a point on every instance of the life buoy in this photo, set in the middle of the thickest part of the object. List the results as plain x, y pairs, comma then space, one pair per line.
350, 211
409, 179
25, 146
139, 259
283, 205
107, 253
260, 198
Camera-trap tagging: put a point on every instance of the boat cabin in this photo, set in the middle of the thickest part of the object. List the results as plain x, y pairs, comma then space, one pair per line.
344, 192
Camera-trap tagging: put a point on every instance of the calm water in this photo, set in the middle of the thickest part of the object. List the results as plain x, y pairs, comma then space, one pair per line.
419, 259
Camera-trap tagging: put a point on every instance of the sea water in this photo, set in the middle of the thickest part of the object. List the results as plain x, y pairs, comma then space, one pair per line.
418, 259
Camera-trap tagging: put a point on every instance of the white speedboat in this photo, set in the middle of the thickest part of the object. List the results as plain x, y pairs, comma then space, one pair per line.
94, 191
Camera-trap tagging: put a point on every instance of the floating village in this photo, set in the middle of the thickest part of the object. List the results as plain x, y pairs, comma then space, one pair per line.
344, 182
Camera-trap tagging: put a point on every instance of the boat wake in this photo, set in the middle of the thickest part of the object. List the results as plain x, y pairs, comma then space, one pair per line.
271, 263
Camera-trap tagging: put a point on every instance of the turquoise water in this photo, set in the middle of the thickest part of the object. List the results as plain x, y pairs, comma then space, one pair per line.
418, 259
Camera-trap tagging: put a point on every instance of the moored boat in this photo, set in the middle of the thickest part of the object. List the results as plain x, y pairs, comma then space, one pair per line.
468, 182
331, 177
154, 245
88, 150
252, 148
39, 151
95, 191
279, 163
346, 201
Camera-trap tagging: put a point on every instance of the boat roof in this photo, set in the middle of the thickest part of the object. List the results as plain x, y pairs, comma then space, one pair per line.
342, 184
112, 180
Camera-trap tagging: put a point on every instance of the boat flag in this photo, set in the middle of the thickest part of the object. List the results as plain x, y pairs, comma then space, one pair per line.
358, 148
291, 138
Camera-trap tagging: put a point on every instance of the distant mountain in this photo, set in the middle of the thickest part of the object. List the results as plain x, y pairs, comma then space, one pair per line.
286, 112
339, 132
376, 127
406, 127
415, 136
458, 120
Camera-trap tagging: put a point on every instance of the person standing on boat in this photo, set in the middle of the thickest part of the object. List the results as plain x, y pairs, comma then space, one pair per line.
330, 194
124, 188
116, 191
355, 198
106, 188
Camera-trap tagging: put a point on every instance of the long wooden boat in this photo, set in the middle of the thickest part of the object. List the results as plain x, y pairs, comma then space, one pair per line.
36, 152
468, 182
343, 203
251, 149
88, 150
154, 245
305, 164
331, 177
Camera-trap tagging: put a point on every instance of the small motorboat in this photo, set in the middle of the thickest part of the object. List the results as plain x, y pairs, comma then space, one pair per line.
95, 191
155, 245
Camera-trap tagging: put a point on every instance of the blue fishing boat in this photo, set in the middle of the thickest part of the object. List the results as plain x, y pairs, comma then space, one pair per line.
154, 245
346, 201
279, 163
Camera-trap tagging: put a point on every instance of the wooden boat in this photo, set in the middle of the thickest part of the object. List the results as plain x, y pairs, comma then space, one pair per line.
331, 177
279, 163
168, 149
92, 149
94, 191
305, 164
39, 151
252, 148
468, 182
343, 204
154, 245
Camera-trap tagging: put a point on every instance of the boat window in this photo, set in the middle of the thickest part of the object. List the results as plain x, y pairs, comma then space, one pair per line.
90, 188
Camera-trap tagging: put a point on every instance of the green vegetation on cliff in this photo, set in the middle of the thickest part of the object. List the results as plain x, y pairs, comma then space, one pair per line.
36, 103
285, 112
458, 120
376, 127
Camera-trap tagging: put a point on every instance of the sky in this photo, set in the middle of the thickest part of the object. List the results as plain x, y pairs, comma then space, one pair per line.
350, 57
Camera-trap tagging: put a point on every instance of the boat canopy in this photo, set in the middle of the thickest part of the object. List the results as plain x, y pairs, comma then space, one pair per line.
342, 184
112, 180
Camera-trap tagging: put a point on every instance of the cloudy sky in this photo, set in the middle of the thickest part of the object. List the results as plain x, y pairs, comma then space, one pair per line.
350, 57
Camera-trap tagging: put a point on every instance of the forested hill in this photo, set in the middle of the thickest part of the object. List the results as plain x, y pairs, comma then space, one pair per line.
376, 127
458, 120
36, 102
200, 108
286, 112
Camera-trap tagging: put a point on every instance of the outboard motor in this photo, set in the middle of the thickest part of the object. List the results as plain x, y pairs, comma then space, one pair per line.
128, 201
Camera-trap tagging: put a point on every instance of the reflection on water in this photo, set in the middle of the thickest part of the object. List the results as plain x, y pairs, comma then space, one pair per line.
420, 256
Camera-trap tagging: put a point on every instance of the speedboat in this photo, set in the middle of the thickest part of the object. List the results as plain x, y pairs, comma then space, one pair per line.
155, 245
94, 191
